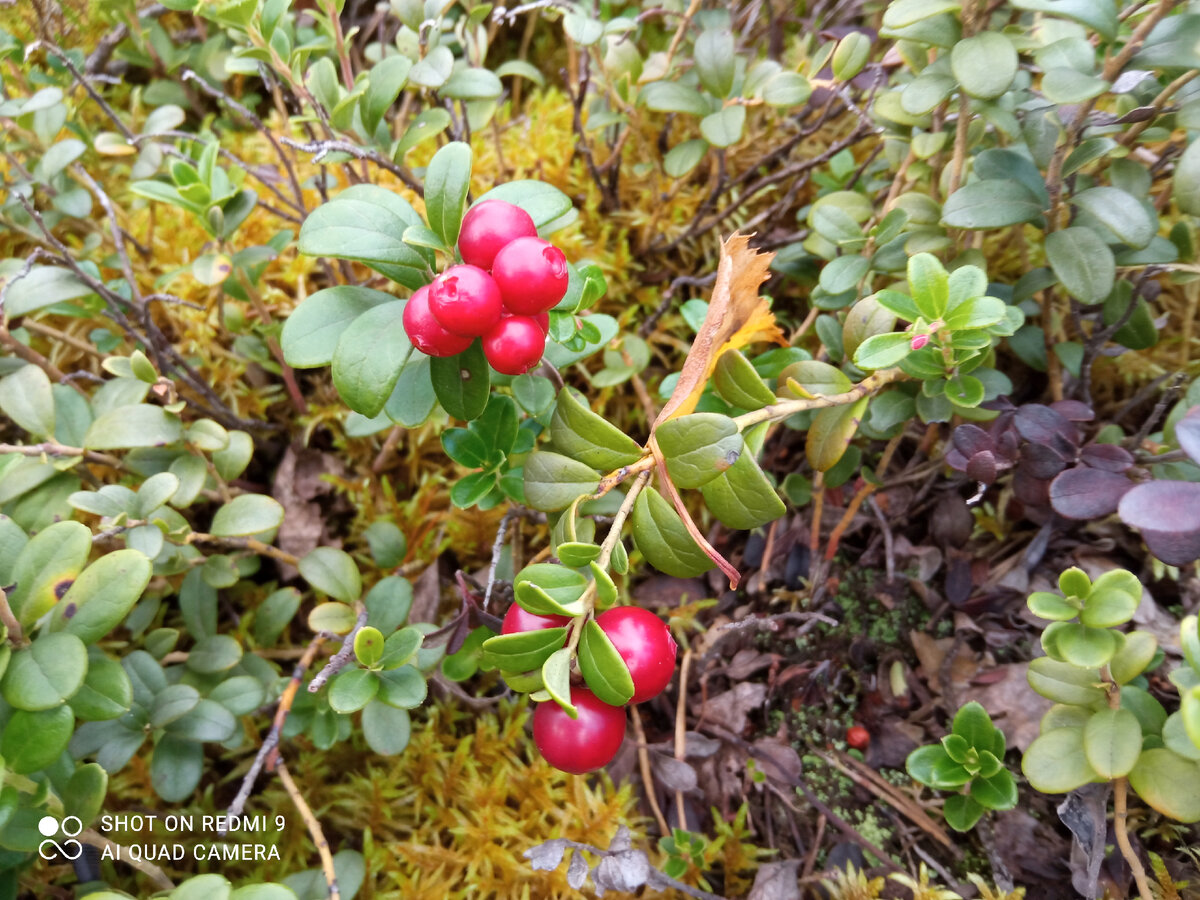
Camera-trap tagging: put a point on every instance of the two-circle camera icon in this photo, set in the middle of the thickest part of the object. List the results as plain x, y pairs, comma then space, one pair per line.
68, 849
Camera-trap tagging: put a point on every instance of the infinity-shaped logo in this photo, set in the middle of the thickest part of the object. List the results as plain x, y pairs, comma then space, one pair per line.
69, 849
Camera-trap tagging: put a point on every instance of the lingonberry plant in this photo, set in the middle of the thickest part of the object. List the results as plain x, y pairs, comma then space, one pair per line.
979, 222
970, 759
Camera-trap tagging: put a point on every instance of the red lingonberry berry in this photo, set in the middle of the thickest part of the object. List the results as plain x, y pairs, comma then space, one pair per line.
583, 744
487, 227
531, 274
518, 619
515, 345
542, 318
858, 737
424, 331
465, 301
646, 645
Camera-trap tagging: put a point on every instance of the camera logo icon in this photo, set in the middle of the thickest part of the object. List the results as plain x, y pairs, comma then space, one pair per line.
69, 849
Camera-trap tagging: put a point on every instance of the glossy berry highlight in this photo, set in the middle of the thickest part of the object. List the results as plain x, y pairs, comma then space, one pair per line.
489, 226
531, 274
515, 345
465, 301
583, 744
646, 645
424, 331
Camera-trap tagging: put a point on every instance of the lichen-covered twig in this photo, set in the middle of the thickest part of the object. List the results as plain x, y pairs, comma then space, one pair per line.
339, 660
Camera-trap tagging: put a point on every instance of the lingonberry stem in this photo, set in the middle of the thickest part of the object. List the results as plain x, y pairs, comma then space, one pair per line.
785, 408
606, 552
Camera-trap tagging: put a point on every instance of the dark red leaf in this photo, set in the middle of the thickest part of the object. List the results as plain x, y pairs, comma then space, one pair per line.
1108, 457
971, 439
1042, 460
982, 467
1074, 410
1085, 493
1175, 548
1008, 446
1168, 515
956, 460
1031, 491
1041, 425
1187, 432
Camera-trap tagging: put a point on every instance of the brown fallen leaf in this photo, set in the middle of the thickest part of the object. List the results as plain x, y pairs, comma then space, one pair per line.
932, 653
777, 881
307, 497
729, 710
736, 316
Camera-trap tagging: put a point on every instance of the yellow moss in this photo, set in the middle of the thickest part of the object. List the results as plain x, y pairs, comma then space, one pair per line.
449, 818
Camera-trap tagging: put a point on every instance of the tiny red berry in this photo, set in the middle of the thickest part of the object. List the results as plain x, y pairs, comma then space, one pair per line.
646, 645
487, 227
531, 274
424, 331
858, 737
515, 345
465, 301
583, 744
518, 619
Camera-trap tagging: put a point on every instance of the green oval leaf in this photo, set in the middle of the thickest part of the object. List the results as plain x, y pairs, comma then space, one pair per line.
311, 332
1168, 783
984, 65
739, 384
45, 674
699, 447
603, 669
663, 539
33, 740
46, 566
1082, 262
138, 425
246, 515
522, 651
553, 481
1055, 763
369, 356
590, 438
352, 689
403, 687
332, 572
386, 729
990, 204
367, 223
26, 398
831, 431
462, 383
742, 497
1112, 742
447, 181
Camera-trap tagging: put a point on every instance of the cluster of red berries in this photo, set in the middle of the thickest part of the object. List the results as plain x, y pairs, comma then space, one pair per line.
590, 741
502, 292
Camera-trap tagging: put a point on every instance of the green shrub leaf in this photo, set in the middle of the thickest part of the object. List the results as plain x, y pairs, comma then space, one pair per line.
663, 539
